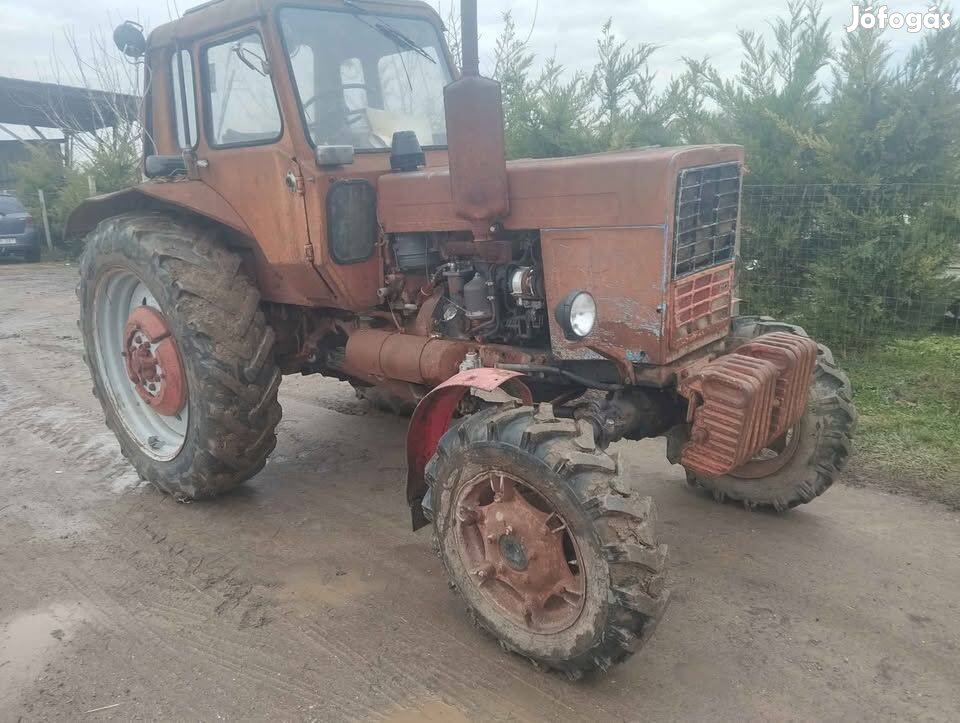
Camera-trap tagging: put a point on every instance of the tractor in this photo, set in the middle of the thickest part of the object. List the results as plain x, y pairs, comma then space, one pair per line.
327, 193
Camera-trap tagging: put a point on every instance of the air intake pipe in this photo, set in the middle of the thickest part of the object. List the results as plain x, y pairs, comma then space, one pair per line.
477, 151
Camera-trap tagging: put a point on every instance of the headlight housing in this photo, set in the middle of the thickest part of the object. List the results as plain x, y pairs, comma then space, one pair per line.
577, 315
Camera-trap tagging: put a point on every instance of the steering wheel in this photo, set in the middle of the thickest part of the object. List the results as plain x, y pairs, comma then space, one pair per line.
331, 109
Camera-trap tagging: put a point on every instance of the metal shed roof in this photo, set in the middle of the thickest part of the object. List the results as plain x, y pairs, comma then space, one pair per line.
31, 103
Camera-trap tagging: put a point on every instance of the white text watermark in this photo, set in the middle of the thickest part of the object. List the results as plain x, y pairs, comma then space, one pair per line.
881, 19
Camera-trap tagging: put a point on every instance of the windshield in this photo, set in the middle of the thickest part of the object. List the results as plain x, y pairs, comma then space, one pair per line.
363, 76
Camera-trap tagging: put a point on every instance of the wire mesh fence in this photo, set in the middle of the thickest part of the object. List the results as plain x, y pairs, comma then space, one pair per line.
853, 263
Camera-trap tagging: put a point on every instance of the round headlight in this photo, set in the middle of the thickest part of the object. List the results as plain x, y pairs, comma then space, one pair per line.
577, 314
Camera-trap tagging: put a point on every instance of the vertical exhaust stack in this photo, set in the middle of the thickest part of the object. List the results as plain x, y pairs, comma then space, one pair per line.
477, 151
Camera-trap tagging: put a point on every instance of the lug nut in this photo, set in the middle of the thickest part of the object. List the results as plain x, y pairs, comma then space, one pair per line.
484, 572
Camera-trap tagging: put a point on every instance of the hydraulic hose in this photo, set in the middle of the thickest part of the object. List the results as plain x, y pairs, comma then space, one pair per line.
545, 369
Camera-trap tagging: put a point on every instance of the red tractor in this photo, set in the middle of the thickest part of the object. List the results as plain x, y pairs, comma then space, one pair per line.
327, 194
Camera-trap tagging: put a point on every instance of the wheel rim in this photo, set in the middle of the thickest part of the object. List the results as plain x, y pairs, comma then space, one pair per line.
772, 458
140, 365
519, 552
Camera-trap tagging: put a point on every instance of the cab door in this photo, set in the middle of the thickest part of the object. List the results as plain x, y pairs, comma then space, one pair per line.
245, 154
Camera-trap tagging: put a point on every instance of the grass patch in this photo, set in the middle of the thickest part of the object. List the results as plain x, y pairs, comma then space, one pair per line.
908, 394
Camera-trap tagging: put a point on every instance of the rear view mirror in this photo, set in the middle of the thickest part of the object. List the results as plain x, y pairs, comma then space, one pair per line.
334, 155
129, 39
164, 166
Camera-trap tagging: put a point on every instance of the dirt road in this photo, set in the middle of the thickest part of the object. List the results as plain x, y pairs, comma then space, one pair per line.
305, 596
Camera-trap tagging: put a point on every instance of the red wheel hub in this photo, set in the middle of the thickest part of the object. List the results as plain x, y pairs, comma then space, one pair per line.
520, 552
153, 361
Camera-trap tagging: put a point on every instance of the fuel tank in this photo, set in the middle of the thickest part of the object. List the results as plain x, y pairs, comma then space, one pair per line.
376, 355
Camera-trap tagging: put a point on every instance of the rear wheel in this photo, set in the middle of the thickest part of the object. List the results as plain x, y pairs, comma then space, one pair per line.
807, 459
552, 555
33, 255
180, 353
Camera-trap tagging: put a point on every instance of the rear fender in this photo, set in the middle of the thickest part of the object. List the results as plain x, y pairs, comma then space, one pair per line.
189, 196
432, 418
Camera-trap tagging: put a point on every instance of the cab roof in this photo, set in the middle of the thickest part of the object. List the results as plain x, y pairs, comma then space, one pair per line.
216, 15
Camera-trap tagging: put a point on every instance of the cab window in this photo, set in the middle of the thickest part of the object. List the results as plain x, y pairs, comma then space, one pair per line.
184, 100
369, 75
241, 107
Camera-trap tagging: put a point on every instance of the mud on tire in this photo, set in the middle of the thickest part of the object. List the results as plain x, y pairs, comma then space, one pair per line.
825, 433
213, 310
614, 530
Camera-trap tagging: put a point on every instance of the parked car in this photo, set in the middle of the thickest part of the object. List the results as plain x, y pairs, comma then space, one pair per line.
18, 234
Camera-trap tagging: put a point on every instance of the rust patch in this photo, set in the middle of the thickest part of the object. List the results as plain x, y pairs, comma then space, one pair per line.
700, 307
153, 361
516, 552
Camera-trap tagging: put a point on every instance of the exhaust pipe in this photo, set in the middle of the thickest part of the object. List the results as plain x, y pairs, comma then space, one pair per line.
477, 150
469, 38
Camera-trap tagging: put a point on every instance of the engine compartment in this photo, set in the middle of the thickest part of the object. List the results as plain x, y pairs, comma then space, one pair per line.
488, 292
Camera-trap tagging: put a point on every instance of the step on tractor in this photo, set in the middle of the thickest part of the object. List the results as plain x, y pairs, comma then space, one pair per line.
328, 194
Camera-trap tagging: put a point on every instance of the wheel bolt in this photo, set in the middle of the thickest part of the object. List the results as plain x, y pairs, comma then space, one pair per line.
484, 572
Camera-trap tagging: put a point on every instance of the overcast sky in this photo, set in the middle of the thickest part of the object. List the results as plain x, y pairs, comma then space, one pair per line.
31, 31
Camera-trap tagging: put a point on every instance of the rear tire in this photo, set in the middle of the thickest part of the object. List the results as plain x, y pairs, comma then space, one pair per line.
611, 533
820, 448
213, 312
33, 255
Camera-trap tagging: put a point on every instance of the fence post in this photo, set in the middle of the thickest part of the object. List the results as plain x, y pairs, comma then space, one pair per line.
92, 185
46, 220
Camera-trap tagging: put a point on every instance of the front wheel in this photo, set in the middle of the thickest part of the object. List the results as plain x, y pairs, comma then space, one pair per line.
552, 554
807, 459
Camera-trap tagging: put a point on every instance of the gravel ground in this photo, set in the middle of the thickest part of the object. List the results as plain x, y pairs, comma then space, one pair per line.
306, 596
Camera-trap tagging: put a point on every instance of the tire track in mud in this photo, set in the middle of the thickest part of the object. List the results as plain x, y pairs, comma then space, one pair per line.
191, 622
63, 426
131, 530
67, 430
392, 683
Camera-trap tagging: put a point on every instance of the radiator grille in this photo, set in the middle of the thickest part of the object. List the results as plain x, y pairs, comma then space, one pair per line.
708, 203
701, 306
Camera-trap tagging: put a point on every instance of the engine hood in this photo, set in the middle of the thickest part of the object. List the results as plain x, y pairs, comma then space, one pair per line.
617, 189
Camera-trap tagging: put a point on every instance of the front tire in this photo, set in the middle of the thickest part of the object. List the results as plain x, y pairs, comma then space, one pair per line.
804, 463
552, 554
214, 348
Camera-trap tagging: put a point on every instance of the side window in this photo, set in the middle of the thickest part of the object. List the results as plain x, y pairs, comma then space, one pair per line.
241, 103
303, 64
181, 71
